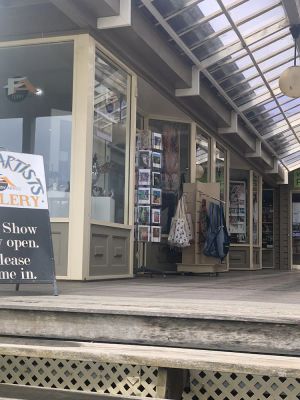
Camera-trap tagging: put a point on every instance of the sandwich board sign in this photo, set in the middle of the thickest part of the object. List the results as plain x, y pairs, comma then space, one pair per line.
26, 251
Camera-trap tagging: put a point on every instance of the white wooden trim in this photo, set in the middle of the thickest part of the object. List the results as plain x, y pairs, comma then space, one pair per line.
213, 150
81, 156
168, 357
41, 40
170, 119
193, 152
105, 277
59, 220
110, 224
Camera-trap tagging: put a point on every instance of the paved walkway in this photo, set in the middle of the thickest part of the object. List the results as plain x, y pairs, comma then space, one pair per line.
258, 286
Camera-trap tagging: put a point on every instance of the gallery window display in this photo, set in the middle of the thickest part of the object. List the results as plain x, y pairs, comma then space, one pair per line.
110, 141
148, 197
202, 156
174, 165
36, 111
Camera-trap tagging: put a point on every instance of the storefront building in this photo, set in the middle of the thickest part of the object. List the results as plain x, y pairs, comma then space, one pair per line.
87, 97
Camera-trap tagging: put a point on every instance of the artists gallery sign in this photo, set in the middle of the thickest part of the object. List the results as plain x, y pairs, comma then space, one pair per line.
26, 252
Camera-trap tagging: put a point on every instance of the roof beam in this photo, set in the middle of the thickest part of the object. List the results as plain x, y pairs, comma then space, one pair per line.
194, 90
123, 18
257, 153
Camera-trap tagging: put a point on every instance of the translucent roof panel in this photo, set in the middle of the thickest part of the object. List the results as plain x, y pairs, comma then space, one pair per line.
250, 7
260, 21
243, 47
169, 7
278, 58
272, 47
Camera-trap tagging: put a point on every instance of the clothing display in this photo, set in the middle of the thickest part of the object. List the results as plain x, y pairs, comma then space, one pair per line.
217, 241
207, 252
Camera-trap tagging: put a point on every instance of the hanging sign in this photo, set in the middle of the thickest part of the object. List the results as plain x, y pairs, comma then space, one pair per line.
26, 252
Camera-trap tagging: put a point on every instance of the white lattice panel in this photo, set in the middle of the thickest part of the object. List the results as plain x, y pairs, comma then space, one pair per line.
209, 385
89, 376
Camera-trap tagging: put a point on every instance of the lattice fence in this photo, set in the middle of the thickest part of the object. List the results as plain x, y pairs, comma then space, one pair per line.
133, 380
209, 385
88, 376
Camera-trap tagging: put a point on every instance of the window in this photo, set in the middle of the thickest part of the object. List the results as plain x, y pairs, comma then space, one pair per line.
110, 141
36, 84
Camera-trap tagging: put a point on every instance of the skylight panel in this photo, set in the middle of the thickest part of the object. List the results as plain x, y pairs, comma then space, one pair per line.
266, 18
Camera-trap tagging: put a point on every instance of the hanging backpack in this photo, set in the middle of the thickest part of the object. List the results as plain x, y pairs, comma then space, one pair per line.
218, 240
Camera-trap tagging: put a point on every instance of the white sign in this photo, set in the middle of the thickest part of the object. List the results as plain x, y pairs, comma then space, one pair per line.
22, 181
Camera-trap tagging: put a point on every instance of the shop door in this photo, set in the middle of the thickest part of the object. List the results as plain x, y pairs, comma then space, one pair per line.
296, 230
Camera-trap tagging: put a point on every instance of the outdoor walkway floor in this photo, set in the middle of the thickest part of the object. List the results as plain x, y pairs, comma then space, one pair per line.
257, 286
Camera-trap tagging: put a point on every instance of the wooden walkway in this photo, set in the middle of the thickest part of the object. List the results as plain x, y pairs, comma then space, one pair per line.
241, 312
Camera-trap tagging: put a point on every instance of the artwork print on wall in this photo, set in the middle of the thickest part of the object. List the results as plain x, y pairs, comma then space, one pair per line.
144, 177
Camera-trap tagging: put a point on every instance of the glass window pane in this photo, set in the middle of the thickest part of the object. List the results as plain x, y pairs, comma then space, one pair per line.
175, 164
202, 156
38, 116
111, 115
13, 140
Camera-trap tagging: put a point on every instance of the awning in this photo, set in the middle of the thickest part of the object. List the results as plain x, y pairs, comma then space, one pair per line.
241, 47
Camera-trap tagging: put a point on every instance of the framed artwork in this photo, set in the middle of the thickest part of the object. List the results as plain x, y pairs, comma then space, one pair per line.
143, 195
156, 141
145, 159
143, 140
144, 177
144, 215
156, 197
156, 179
156, 160
155, 216
144, 233
155, 233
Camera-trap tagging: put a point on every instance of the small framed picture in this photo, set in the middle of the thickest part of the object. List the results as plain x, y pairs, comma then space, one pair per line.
156, 197
144, 177
144, 215
156, 160
156, 141
145, 159
155, 216
155, 233
144, 233
156, 179
143, 195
